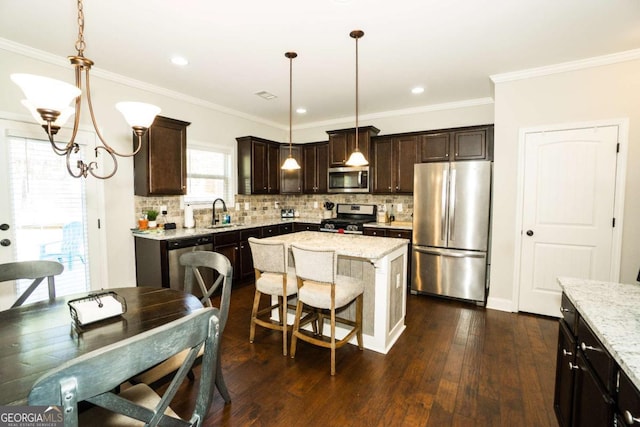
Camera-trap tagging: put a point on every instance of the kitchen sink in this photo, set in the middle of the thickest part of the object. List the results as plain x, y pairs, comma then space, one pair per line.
221, 226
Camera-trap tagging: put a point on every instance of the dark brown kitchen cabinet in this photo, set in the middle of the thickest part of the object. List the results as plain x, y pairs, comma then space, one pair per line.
305, 226
227, 244
434, 147
393, 160
586, 374
469, 143
291, 180
342, 143
245, 270
315, 165
628, 401
258, 166
160, 167
473, 144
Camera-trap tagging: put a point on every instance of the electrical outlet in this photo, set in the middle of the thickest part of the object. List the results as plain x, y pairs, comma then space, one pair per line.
276, 205
315, 205
399, 207
246, 206
163, 210
237, 206
398, 280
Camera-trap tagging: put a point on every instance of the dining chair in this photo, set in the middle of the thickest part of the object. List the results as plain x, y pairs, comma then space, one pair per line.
92, 377
197, 264
37, 270
274, 277
320, 287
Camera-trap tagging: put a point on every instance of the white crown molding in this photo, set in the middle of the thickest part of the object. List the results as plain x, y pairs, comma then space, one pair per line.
404, 112
49, 58
563, 67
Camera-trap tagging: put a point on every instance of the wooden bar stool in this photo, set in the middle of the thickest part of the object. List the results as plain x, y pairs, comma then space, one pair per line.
320, 287
274, 277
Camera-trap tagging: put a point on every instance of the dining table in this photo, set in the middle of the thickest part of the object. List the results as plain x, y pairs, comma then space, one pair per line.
37, 337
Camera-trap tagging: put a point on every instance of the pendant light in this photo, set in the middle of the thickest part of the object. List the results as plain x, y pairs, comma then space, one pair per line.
290, 163
48, 101
356, 158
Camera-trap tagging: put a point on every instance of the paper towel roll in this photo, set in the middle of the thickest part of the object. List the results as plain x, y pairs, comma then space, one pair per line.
189, 222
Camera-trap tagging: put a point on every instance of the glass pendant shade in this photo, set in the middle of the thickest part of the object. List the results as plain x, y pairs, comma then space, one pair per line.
357, 159
59, 121
46, 93
138, 114
290, 164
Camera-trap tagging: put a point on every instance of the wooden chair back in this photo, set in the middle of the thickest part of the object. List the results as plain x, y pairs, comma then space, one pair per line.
37, 271
93, 376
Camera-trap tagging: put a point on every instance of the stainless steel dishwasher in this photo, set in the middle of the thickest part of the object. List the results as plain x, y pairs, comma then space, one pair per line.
177, 247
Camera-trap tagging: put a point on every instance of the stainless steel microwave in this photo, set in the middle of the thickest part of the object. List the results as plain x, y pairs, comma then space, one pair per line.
349, 179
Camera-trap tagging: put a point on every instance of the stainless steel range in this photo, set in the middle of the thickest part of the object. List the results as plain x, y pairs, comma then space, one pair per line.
350, 219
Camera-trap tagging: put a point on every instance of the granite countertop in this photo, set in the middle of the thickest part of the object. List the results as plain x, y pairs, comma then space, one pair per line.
612, 311
180, 233
349, 245
400, 225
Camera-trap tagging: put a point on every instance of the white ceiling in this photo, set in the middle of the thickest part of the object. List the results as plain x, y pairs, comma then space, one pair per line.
236, 48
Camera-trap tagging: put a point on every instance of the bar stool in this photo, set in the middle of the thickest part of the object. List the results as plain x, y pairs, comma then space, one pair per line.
320, 287
274, 277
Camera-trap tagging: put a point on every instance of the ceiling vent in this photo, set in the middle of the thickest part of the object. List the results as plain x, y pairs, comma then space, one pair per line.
266, 95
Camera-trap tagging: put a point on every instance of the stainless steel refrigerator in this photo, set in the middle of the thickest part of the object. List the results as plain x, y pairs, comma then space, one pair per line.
451, 211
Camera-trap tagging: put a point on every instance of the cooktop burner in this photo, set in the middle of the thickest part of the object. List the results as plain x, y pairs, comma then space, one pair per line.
350, 219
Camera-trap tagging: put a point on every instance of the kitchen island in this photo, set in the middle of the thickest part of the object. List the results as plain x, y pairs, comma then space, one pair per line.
598, 362
382, 264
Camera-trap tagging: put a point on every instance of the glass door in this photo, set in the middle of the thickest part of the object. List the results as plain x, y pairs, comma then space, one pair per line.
49, 214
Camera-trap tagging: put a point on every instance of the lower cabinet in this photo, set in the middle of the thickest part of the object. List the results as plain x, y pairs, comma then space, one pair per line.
305, 226
588, 381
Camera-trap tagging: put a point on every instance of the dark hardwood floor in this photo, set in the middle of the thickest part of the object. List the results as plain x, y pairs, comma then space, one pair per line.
455, 365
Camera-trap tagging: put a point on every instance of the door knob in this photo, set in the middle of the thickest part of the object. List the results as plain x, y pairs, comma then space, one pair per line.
5, 242
529, 233
4, 227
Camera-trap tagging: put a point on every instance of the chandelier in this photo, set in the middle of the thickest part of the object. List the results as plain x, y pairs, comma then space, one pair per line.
290, 163
356, 158
48, 101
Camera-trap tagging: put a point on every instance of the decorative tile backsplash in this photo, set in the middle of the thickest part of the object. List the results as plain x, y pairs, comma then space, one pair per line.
263, 207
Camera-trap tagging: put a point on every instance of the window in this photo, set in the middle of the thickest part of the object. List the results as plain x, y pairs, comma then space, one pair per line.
48, 209
209, 175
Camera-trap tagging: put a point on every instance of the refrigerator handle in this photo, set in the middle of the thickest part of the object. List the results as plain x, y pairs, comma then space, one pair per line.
450, 254
452, 206
443, 208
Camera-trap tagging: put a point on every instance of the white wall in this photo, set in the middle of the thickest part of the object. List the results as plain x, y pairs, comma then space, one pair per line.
207, 126
603, 92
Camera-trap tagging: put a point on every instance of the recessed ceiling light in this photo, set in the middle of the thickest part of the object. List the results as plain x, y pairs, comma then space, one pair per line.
179, 60
301, 110
266, 95
417, 90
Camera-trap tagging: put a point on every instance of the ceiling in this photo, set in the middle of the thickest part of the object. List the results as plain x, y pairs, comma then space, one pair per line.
236, 48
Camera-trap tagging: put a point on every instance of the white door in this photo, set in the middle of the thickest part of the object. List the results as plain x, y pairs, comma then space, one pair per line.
44, 212
567, 212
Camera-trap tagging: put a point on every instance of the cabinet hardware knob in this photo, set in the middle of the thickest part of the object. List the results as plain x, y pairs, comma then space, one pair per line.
585, 347
630, 419
572, 366
566, 353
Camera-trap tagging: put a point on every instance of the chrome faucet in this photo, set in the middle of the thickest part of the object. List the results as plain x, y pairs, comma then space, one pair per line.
214, 219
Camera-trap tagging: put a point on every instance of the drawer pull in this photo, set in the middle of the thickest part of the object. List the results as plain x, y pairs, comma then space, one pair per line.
585, 347
572, 366
564, 310
630, 419
566, 353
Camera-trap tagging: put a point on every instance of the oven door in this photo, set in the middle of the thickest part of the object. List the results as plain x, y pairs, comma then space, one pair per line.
349, 179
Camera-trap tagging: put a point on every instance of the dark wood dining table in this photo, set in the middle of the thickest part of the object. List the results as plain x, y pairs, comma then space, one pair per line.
38, 337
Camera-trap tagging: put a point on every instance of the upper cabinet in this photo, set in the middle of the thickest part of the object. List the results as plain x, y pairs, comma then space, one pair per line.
342, 143
471, 143
160, 167
393, 160
315, 165
258, 166
291, 180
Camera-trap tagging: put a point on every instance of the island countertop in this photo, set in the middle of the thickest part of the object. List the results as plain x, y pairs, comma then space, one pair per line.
612, 311
348, 245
